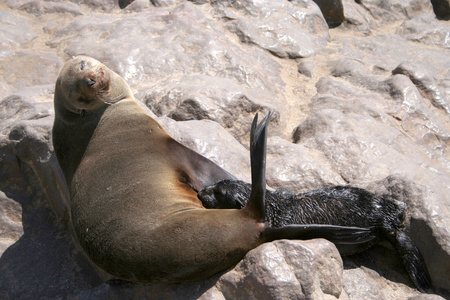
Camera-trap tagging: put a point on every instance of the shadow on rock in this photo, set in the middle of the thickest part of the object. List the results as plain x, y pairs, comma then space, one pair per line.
43, 262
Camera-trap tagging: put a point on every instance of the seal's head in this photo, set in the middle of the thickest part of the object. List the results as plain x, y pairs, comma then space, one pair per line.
85, 84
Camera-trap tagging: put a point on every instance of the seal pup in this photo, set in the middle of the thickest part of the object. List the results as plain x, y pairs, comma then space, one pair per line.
133, 189
339, 205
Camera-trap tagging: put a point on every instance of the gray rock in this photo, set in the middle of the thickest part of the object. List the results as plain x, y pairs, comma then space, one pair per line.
205, 97
426, 29
306, 68
182, 41
11, 221
38, 8
425, 82
291, 166
357, 17
394, 10
24, 68
14, 30
42, 261
286, 29
370, 50
286, 270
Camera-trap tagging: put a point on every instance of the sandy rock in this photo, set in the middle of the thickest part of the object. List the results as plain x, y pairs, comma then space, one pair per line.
38, 8
206, 97
291, 166
15, 30
393, 10
24, 68
425, 82
11, 221
183, 42
306, 68
298, 270
286, 29
425, 29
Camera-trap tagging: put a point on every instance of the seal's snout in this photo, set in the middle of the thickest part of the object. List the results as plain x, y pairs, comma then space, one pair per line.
90, 82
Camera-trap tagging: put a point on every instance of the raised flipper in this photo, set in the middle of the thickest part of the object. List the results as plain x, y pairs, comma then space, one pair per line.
258, 137
412, 260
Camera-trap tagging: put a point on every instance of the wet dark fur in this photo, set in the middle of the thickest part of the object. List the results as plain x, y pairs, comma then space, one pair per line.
340, 205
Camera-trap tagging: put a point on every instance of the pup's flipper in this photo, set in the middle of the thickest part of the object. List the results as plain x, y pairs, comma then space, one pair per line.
335, 234
412, 260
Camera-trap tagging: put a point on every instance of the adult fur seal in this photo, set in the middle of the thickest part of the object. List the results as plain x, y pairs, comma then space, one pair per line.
339, 205
133, 189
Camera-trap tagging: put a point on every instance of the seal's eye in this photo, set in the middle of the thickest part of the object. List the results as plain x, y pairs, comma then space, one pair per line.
90, 82
83, 65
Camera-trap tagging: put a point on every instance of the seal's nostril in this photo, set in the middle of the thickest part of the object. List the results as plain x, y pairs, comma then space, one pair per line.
90, 82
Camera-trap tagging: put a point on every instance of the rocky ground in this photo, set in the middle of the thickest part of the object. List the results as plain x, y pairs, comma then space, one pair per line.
360, 98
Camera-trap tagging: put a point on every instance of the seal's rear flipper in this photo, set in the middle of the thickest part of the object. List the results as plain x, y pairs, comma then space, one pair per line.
258, 137
412, 260
335, 234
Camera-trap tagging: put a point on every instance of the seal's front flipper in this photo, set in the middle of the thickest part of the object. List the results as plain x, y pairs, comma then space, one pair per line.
258, 138
335, 234
412, 260
196, 170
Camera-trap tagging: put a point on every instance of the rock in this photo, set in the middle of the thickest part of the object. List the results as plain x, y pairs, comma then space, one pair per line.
159, 3
39, 8
394, 10
15, 30
425, 83
357, 17
366, 16
306, 68
298, 270
419, 199
291, 166
183, 41
10, 218
369, 50
205, 97
24, 68
283, 28
278, 270
425, 29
